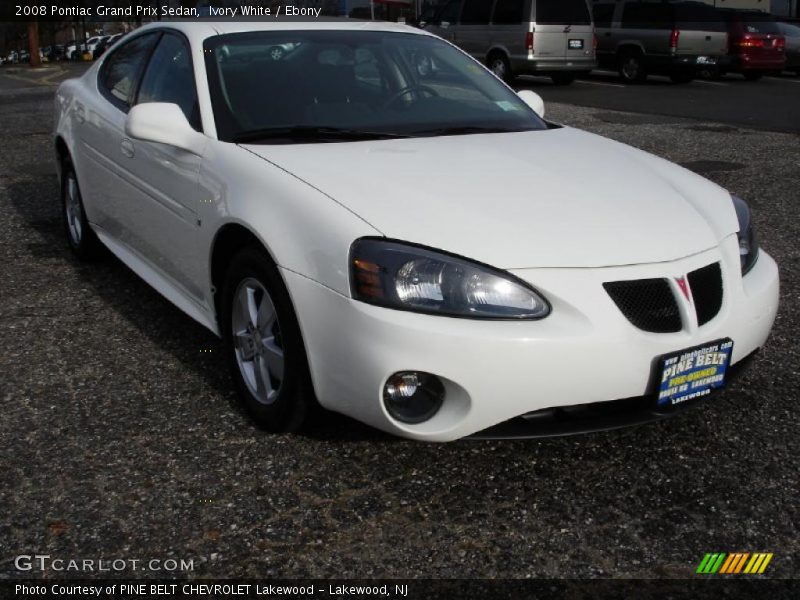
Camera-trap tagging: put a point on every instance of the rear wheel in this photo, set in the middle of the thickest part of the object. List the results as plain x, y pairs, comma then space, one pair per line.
563, 78
631, 67
263, 344
499, 65
82, 240
753, 75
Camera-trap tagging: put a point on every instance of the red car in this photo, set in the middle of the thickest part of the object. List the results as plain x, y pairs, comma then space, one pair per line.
756, 44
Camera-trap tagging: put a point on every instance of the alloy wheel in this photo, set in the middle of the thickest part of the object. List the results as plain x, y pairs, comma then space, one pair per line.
72, 206
257, 340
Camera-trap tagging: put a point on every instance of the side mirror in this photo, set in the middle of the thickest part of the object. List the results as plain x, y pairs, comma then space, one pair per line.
533, 100
165, 124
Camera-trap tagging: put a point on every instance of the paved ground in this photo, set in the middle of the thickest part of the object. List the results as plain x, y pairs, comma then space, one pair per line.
121, 438
771, 103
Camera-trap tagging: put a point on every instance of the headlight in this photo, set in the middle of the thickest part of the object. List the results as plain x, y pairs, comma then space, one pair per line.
748, 245
408, 277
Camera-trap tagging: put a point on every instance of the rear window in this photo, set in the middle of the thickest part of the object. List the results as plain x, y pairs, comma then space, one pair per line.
562, 12
755, 23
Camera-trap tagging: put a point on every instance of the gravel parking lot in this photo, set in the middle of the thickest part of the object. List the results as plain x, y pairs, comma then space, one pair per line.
122, 437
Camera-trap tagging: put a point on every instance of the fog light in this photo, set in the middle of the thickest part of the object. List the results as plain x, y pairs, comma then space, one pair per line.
413, 397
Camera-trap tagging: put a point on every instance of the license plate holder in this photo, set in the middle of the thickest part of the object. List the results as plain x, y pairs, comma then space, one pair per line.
692, 373
706, 60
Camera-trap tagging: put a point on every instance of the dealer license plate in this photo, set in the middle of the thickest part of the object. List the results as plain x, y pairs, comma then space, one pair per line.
576, 44
694, 372
706, 60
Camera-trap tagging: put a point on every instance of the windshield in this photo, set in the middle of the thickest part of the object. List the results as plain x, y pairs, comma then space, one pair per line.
287, 86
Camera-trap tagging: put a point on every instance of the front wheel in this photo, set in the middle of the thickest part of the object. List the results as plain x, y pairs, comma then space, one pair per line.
263, 343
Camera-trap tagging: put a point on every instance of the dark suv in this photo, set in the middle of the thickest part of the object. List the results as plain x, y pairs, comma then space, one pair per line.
639, 38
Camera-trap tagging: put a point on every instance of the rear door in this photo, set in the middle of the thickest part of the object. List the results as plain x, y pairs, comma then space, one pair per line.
648, 26
472, 34
445, 22
563, 29
510, 26
702, 31
101, 129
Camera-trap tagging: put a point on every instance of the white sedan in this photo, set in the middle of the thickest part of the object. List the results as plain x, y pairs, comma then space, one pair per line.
414, 247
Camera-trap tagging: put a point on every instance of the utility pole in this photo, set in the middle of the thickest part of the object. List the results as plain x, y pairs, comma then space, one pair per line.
33, 43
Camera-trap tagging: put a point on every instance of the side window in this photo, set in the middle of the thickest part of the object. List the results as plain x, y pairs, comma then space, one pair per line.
170, 78
508, 12
603, 14
476, 12
121, 70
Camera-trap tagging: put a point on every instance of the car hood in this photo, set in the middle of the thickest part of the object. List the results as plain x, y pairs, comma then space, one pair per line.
555, 198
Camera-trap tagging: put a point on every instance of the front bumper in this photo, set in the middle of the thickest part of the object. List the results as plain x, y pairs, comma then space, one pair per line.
585, 352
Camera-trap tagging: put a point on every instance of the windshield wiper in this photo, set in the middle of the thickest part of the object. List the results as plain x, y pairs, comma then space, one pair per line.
463, 130
312, 133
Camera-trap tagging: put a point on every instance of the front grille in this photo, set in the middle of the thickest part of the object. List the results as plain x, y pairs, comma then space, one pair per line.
647, 303
706, 284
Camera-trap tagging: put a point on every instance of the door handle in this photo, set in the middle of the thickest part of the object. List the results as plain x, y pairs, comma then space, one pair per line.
126, 147
80, 113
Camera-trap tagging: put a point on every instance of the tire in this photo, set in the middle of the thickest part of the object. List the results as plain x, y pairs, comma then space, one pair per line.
753, 75
499, 65
81, 239
274, 385
563, 78
631, 67
681, 77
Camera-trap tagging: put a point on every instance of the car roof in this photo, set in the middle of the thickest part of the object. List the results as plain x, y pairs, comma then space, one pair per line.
200, 29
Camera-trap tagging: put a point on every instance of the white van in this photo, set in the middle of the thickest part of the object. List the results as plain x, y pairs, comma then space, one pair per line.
521, 37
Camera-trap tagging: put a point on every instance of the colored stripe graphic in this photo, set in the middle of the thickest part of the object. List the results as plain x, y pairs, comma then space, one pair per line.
741, 562
758, 563
711, 563
728, 564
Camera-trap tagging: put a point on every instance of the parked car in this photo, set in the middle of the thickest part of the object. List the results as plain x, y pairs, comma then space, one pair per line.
791, 33
661, 38
102, 46
757, 46
271, 201
74, 50
521, 37
92, 42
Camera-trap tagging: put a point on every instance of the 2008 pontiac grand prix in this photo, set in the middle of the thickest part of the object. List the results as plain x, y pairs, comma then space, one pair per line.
372, 220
